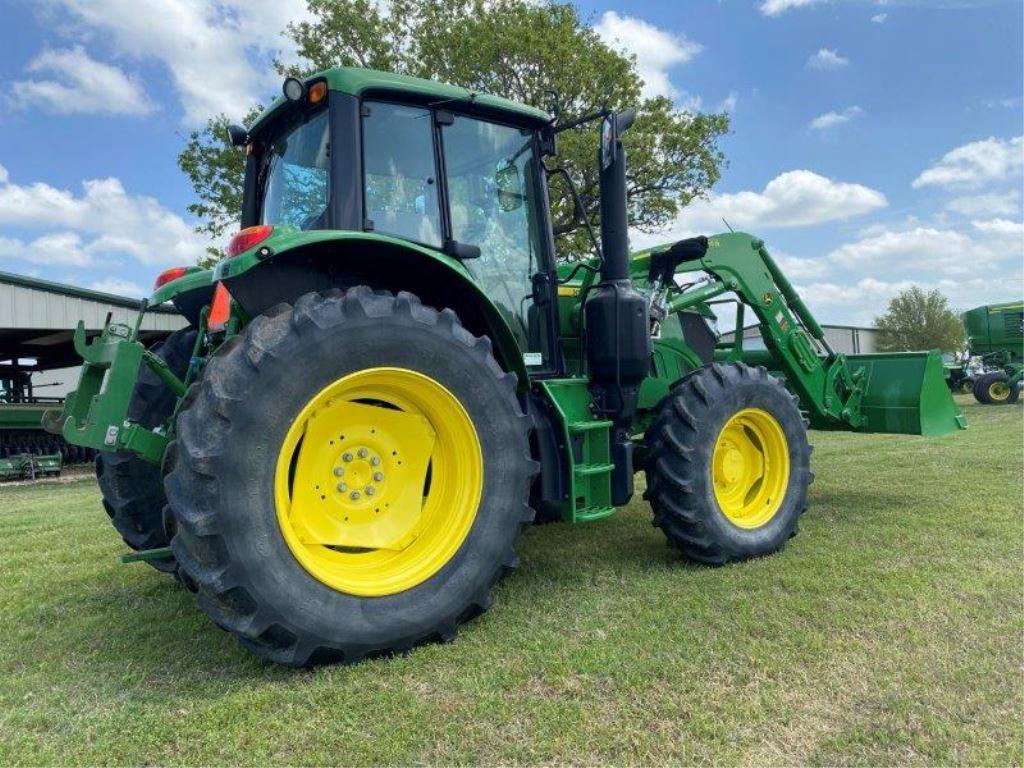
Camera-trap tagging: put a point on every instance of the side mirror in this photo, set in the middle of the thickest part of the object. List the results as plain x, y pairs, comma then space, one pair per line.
237, 135
510, 188
612, 127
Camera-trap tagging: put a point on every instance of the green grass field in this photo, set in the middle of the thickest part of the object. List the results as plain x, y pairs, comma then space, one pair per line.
889, 631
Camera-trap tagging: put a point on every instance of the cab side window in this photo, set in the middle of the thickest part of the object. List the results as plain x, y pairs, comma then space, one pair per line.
401, 180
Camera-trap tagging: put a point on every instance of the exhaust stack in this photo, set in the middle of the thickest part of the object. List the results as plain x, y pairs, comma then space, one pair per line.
617, 326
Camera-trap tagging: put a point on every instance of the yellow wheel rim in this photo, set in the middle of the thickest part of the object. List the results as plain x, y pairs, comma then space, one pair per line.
999, 390
750, 468
378, 481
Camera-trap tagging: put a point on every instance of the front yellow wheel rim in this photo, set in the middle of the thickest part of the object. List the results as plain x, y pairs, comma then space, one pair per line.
378, 481
999, 391
750, 468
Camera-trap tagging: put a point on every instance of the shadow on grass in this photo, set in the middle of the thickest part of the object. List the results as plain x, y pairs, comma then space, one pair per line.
149, 623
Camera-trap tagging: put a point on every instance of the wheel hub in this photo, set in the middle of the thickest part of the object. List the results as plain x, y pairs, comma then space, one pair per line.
359, 479
733, 465
378, 481
750, 468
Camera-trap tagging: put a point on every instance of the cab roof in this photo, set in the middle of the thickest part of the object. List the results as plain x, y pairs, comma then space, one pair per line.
357, 81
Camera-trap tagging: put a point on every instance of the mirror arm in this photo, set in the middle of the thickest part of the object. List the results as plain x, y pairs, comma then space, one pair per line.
599, 115
579, 214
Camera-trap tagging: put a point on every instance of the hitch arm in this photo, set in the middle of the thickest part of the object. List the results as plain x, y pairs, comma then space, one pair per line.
95, 415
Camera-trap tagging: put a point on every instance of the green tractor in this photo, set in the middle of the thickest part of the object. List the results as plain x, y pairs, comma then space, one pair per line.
995, 333
390, 374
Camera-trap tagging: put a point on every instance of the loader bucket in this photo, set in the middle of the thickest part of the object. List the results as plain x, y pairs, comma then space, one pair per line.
906, 393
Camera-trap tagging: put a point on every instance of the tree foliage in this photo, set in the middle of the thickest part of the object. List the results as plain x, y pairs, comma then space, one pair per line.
539, 54
917, 320
216, 171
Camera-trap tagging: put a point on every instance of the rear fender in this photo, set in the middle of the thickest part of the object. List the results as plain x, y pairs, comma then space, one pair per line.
290, 264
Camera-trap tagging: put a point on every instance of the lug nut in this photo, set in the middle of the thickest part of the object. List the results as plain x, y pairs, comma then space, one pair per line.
354, 495
342, 487
339, 471
370, 490
346, 457
375, 461
378, 476
363, 453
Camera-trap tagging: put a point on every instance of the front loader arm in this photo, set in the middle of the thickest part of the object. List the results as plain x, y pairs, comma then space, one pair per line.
740, 263
901, 392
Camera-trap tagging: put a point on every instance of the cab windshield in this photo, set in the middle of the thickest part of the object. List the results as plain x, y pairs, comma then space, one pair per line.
294, 179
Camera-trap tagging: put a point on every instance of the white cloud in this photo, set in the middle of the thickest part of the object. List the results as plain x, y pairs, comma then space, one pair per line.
867, 290
656, 50
833, 118
119, 287
879, 18
995, 204
800, 268
827, 58
4, 176
925, 250
1000, 227
859, 302
973, 165
728, 104
1010, 102
80, 85
206, 45
55, 249
775, 7
792, 199
116, 223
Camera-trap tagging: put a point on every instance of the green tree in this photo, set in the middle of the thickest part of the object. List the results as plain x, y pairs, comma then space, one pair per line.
916, 321
534, 53
216, 171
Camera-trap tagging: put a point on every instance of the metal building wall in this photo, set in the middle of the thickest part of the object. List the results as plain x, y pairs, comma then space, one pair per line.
27, 307
843, 338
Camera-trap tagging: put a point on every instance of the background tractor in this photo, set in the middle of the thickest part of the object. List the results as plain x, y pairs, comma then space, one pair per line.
995, 333
390, 374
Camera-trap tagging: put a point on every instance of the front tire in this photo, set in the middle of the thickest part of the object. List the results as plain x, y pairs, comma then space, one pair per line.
728, 464
304, 401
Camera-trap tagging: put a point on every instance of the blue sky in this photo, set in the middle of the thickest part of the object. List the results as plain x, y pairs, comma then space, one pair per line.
873, 144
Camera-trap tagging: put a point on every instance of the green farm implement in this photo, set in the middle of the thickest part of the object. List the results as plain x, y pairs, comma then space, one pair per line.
390, 374
29, 466
26, 451
995, 333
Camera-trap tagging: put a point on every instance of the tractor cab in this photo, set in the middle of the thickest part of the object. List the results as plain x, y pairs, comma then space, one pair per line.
462, 177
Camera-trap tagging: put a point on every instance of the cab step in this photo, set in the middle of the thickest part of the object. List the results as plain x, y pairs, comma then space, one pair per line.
587, 443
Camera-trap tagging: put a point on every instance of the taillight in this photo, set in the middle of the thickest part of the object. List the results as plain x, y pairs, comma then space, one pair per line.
247, 238
169, 274
220, 308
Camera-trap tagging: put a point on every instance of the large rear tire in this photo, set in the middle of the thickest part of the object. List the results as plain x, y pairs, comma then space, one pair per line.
992, 389
291, 425
132, 488
728, 464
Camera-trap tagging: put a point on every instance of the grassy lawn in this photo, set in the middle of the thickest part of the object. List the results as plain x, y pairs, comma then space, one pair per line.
889, 631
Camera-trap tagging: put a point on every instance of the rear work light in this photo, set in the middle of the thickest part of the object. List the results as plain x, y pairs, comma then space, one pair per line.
247, 238
169, 274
